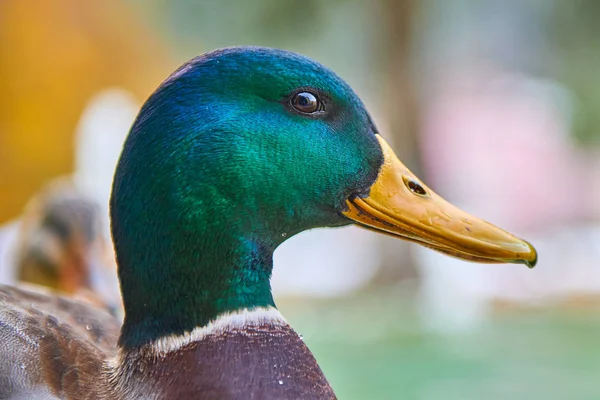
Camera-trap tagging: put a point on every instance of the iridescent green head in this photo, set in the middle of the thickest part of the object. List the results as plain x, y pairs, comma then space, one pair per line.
236, 151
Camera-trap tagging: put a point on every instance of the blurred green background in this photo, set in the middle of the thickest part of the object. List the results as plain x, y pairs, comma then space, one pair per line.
496, 104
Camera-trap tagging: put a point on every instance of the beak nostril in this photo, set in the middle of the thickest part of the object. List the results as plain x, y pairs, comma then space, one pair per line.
414, 186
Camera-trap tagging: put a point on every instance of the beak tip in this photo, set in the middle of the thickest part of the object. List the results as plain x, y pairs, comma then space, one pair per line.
531, 258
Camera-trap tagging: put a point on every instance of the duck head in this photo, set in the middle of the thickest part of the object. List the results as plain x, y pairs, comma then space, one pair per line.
240, 149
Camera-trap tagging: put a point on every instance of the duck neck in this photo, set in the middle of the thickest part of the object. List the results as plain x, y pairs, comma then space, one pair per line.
179, 272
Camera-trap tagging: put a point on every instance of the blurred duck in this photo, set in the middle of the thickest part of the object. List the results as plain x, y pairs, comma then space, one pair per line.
62, 240
212, 178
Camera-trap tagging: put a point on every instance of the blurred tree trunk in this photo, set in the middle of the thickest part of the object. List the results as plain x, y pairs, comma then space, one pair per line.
402, 114
401, 107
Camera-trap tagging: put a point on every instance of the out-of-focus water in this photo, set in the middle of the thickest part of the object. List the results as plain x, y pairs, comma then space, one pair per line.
371, 347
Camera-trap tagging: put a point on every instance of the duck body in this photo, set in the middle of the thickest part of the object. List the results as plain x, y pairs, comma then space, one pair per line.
52, 345
252, 355
67, 350
238, 150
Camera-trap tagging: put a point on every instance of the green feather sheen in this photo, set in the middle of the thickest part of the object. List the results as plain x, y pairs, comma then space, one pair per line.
216, 168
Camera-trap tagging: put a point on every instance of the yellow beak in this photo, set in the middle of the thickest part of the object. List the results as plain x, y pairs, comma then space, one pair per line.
400, 205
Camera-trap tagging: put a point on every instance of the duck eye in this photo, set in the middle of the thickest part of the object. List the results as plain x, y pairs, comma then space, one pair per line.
306, 103
415, 187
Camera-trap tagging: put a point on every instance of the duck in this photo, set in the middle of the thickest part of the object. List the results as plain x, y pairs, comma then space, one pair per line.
60, 245
236, 151
61, 240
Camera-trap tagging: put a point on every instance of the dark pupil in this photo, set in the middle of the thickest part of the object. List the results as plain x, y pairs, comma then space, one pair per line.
305, 102
416, 188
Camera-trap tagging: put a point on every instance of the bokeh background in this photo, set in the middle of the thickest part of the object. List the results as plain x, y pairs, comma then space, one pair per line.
496, 105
